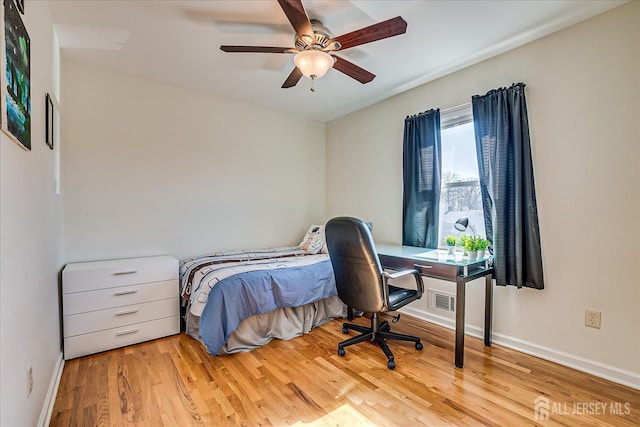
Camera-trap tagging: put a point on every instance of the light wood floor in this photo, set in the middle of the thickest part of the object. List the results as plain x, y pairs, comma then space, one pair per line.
174, 382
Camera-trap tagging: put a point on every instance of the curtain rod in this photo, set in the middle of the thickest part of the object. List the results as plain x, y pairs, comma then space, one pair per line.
456, 107
444, 110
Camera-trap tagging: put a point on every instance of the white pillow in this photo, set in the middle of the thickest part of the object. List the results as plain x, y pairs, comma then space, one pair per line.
313, 241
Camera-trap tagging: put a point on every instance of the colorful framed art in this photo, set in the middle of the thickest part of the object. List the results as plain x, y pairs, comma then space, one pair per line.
15, 76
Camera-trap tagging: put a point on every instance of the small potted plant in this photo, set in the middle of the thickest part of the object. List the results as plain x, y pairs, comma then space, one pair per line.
482, 246
471, 246
451, 243
462, 242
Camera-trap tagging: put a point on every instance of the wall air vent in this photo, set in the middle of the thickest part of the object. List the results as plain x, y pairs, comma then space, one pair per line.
442, 300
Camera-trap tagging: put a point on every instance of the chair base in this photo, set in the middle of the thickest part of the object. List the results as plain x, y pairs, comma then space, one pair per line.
378, 333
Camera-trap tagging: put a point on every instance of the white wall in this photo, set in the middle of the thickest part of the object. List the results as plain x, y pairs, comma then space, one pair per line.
151, 168
584, 108
30, 248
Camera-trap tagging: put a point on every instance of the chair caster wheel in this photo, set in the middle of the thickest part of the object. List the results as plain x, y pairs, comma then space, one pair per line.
341, 352
345, 330
418, 346
391, 364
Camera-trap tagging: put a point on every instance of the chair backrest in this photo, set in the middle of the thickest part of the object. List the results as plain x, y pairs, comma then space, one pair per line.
355, 264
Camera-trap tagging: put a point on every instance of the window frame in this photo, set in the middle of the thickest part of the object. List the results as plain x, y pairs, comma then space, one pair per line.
450, 118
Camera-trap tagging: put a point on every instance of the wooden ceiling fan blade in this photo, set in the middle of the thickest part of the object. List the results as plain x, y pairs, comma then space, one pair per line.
352, 70
298, 17
293, 78
256, 49
382, 30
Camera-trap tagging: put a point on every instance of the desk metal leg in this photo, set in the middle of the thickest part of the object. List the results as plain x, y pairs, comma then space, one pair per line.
460, 306
488, 308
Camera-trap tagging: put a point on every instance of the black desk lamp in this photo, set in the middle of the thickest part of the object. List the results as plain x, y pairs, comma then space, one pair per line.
462, 224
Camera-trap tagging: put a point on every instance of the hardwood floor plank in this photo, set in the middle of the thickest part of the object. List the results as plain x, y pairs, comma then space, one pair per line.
183, 403
175, 382
242, 384
103, 417
223, 402
162, 404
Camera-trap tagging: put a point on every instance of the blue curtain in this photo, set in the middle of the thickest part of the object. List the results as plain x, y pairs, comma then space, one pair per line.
507, 185
421, 160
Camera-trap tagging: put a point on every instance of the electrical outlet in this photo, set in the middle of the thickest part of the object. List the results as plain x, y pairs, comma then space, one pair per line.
29, 380
592, 318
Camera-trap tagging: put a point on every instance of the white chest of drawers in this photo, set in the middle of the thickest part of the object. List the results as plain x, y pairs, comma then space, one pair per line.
110, 304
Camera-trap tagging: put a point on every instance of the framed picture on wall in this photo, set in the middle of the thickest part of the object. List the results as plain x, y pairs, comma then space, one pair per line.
15, 76
49, 122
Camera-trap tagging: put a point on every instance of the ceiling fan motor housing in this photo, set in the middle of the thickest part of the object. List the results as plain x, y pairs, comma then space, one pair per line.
322, 37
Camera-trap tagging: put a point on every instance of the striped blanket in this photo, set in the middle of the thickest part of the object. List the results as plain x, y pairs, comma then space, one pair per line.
199, 275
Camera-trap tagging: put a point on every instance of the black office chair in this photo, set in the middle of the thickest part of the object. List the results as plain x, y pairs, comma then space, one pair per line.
362, 284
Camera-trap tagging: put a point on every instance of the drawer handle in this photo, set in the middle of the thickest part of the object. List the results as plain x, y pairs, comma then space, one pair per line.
127, 332
130, 311
120, 273
422, 266
131, 291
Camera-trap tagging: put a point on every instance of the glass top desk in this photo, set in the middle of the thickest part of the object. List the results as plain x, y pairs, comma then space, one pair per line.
438, 264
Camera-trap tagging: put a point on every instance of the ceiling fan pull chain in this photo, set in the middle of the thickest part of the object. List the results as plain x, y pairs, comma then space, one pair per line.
313, 82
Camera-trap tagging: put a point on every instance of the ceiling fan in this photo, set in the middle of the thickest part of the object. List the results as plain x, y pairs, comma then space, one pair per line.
314, 45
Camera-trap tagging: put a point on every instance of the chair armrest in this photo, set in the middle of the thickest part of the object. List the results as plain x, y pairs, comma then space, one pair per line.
398, 274
403, 273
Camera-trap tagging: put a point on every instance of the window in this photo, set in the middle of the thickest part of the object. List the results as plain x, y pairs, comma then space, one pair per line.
460, 189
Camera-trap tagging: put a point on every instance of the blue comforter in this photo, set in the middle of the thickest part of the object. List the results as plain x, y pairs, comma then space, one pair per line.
258, 292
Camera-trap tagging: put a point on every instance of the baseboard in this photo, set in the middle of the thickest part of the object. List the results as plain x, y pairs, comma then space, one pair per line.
608, 372
50, 398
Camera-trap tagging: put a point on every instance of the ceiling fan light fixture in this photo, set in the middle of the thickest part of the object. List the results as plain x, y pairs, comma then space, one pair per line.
313, 63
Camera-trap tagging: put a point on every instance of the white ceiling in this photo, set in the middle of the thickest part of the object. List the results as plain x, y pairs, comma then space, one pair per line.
178, 42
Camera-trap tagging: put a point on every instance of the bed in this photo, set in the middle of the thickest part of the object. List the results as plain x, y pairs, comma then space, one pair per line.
237, 301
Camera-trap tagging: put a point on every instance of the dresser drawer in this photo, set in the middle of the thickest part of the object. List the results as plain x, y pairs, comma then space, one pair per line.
82, 302
84, 323
87, 276
81, 345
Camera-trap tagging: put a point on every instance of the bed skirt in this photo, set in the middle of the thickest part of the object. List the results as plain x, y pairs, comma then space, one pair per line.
282, 323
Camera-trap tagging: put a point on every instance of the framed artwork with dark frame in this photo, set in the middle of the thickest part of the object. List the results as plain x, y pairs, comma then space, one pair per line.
49, 122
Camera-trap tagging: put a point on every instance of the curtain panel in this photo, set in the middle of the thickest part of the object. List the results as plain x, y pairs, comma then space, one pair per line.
507, 185
421, 160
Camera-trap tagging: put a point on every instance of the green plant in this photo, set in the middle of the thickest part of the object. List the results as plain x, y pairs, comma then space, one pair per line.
470, 243
475, 244
462, 239
482, 244
450, 240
